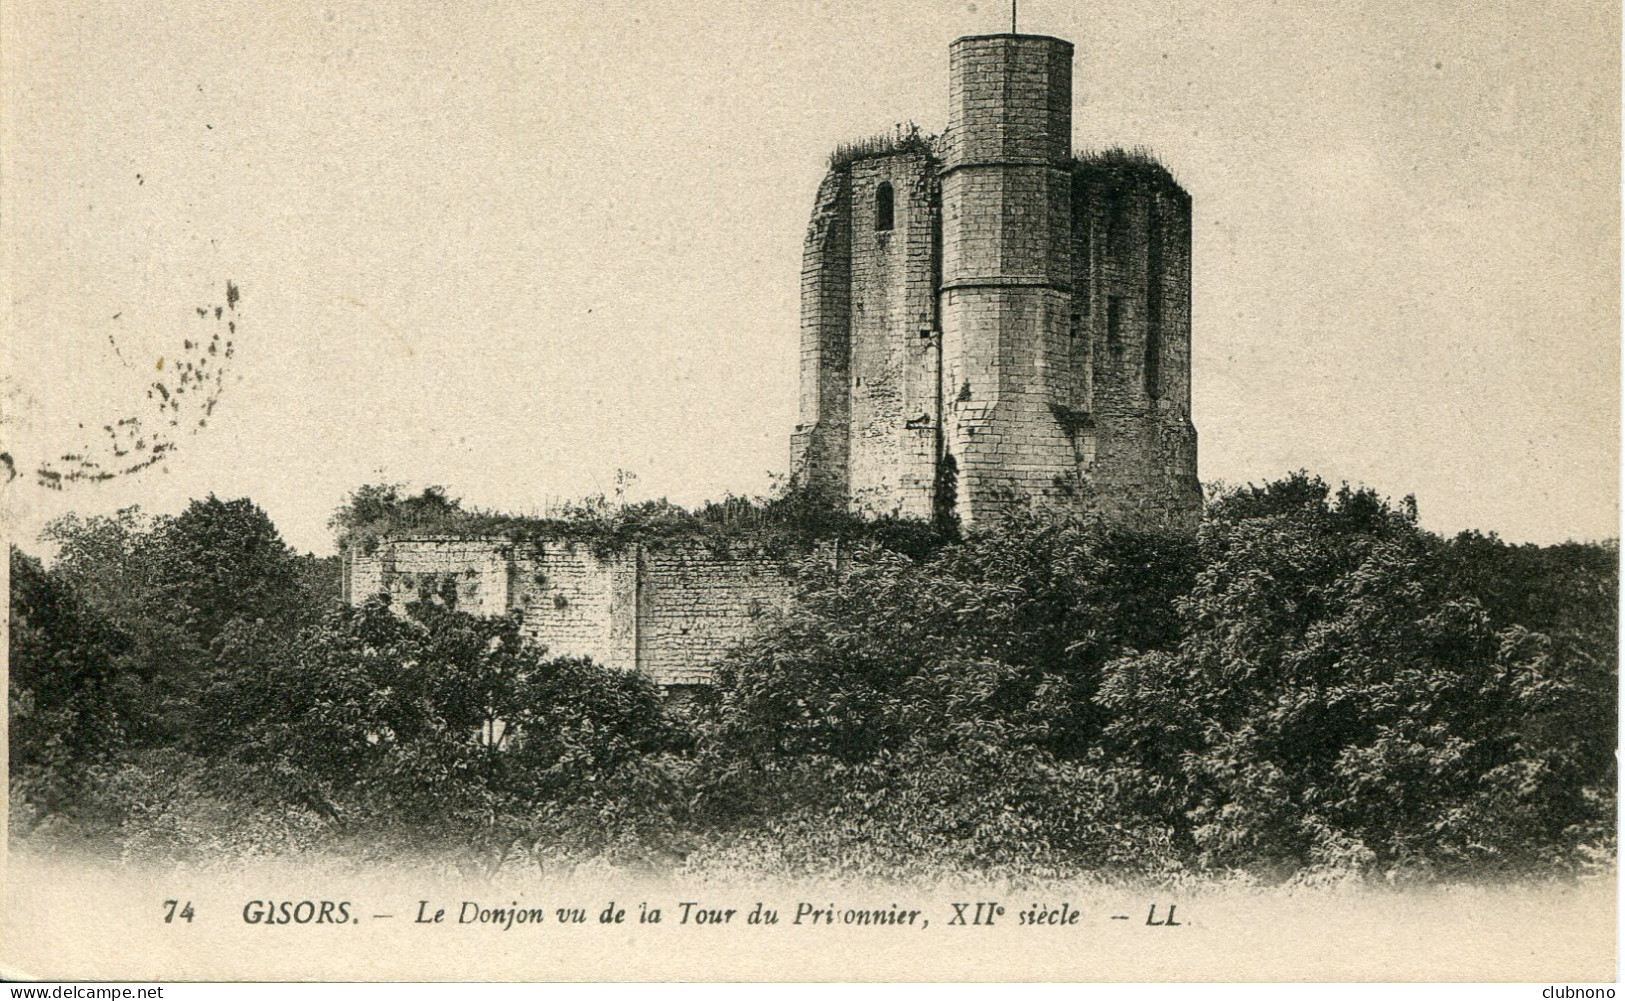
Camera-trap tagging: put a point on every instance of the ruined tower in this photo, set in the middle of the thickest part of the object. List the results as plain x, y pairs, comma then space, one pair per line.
988, 321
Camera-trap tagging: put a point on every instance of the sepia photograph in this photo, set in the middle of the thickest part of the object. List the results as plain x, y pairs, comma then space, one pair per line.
908, 491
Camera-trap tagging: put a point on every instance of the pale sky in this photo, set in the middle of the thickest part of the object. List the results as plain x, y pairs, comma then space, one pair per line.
511, 248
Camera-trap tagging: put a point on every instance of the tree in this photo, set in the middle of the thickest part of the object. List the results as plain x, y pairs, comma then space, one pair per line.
940, 712
110, 565
437, 720
1336, 703
1011, 627
223, 560
62, 660
174, 585
376, 509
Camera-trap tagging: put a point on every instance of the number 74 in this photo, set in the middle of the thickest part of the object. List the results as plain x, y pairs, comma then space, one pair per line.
170, 915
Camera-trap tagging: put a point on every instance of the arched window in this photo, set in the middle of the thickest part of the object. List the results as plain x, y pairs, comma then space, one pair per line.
883, 206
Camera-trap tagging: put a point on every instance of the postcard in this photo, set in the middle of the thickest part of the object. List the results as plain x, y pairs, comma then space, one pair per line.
862, 492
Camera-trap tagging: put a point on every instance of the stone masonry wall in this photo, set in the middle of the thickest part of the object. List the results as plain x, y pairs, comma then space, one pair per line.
474, 570
893, 408
571, 602
669, 612
1007, 273
820, 446
1005, 368
694, 605
1009, 99
1132, 293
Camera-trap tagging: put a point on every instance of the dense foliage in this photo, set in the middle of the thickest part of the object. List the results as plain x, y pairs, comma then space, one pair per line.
1313, 688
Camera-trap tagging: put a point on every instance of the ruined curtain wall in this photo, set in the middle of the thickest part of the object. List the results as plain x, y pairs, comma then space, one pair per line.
669, 612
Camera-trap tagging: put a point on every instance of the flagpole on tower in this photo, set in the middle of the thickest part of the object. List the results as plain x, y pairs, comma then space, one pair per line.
1012, 17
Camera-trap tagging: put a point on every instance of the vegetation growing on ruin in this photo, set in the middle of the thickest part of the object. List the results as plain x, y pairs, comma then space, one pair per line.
1118, 167
1113, 165
790, 521
1312, 689
905, 138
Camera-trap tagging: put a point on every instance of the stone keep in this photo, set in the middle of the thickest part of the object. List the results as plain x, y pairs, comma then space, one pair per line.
989, 320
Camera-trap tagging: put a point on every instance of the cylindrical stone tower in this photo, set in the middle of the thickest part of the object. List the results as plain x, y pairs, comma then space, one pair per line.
1006, 293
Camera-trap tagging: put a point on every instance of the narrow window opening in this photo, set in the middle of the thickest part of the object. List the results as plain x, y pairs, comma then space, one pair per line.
1117, 226
1153, 307
883, 206
944, 511
1153, 362
1153, 271
1114, 323
1085, 270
